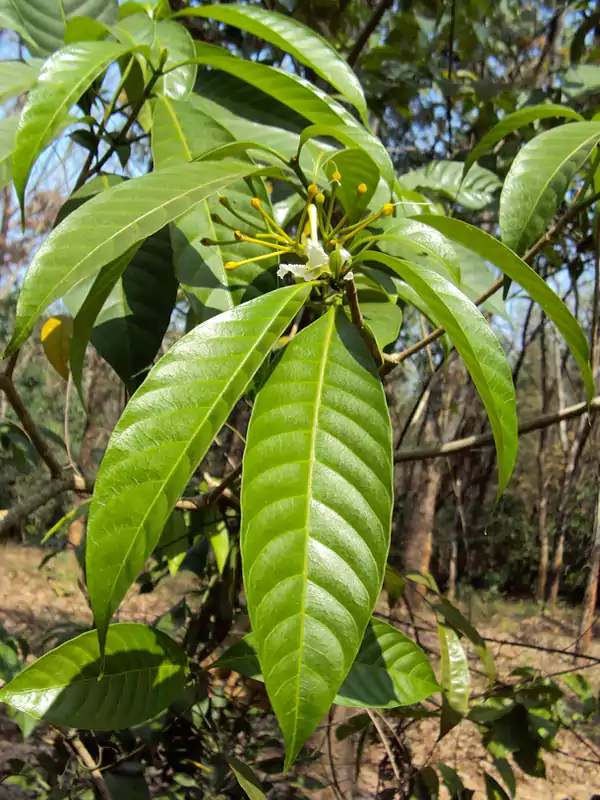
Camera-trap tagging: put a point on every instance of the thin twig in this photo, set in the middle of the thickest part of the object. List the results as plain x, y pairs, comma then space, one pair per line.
386, 744
37, 440
358, 321
486, 439
83, 755
366, 32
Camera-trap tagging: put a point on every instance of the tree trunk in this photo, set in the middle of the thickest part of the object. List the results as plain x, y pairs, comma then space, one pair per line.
417, 536
574, 455
542, 483
591, 589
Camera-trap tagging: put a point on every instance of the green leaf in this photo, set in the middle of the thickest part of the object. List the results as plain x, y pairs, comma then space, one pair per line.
517, 270
16, 77
476, 277
173, 543
461, 624
356, 167
181, 132
453, 782
478, 347
405, 238
455, 679
144, 671
507, 775
164, 433
8, 127
394, 585
384, 320
317, 500
11, 20
389, 671
45, 21
85, 303
129, 329
200, 268
108, 225
512, 122
299, 95
294, 38
247, 779
538, 180
581, 80
63, 80
474, 191
493, 789
177, 83
218, 535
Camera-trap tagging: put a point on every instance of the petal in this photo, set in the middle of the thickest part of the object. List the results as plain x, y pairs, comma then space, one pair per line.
317, 257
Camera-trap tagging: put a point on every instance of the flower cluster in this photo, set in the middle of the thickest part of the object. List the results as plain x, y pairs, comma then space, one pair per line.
324, 248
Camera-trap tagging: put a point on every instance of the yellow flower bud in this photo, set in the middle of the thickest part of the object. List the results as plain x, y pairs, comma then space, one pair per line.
320, 198
336, 176
255, 203
362, 188
387, 210
312, 189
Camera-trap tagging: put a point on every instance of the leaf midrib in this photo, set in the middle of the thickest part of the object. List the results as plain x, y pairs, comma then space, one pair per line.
309, 487
211, 408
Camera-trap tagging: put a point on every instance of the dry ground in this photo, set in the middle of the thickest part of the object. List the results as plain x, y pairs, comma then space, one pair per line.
34, 601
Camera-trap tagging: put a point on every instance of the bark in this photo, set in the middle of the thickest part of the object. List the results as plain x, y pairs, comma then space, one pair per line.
591, 589
570, 471
542, 481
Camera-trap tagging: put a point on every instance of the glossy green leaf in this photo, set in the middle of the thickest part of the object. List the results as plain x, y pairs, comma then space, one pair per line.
62, 81
460, 623
181, 132
517, 270
539, 178
476, 277
107, 226
16, 77
173, 543
8, 128
45, 20
177, 83
356, 167
144, 672
512, 122
299, 95
445, 178
294, 38
407, 238
247, 779
85, 302
165, 431
129, 329
389, 671
200, 268
455, 679
317, 501
478, 347
384, 320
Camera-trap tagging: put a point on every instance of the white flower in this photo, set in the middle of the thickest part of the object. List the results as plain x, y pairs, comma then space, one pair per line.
300, 271
349, 276
317, 258
346, 257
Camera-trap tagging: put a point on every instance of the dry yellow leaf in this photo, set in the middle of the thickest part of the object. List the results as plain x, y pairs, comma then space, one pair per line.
56, 338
